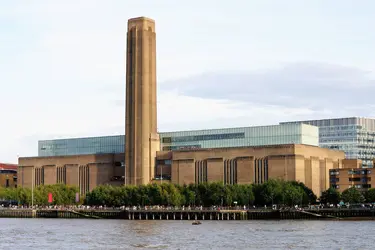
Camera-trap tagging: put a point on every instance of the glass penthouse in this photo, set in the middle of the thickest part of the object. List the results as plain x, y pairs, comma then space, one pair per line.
213, 138
353, 135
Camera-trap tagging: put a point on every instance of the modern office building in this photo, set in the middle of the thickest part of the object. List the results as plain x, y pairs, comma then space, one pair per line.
353, 135
234, 155
241, 137
211, 138
82, 146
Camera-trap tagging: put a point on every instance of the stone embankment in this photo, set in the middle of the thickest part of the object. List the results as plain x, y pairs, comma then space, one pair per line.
292, 214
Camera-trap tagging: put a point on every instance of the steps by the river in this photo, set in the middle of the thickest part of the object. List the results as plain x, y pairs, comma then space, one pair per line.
221, 215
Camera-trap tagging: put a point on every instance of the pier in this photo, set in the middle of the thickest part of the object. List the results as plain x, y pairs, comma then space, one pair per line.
221, 215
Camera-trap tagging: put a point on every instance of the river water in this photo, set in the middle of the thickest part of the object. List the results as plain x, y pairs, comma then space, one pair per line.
124, 234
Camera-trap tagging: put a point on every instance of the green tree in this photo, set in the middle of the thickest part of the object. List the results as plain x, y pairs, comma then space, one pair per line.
309, 197
271, 192
243, 194
330, 196
352, 195
292, 194
370, 195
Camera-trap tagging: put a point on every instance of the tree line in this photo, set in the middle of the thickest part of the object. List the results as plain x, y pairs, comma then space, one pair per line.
61, 194
206, 194
350, 195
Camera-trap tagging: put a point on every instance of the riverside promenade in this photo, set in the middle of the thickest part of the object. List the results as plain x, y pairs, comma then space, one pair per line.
202, 214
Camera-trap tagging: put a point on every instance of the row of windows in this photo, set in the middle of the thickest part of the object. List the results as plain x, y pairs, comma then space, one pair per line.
87, 150
8, 171
356, 186
85, 141
163, 162
336, 172
359, 171
169, 148
203, 137
337, 128
333, 122
340, 134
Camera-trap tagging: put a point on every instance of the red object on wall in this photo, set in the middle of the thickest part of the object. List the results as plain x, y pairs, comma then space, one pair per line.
50, 199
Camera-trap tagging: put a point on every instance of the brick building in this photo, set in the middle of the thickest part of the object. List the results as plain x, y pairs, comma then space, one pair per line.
351, 174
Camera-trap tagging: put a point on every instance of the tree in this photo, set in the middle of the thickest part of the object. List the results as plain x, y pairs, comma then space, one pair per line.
330, 196
272, 191
352, 195
309, 197
370, 195
293, 195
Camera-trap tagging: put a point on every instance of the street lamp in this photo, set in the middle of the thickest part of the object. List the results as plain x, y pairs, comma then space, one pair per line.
32, 187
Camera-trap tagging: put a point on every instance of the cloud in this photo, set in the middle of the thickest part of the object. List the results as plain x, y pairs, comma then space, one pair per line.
322, 88
178, 111
211, 100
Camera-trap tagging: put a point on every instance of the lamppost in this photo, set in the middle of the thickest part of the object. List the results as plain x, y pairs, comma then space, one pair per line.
161, 174
32, 187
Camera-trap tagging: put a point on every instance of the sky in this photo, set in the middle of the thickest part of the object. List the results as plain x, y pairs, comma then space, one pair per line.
219, 64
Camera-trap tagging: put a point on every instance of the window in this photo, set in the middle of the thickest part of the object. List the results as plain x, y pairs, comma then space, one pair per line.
167, 140
354, 179
335, 172
354, 172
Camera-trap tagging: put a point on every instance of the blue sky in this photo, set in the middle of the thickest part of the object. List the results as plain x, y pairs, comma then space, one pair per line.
220, 64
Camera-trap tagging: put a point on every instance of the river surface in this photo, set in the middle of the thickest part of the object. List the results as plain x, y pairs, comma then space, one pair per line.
124, 234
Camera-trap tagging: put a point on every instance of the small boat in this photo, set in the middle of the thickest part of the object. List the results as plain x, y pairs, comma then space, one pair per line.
196, 222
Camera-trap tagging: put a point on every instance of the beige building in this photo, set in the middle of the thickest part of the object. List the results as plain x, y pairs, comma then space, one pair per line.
308, 164
83, 171
143, 161
351, 174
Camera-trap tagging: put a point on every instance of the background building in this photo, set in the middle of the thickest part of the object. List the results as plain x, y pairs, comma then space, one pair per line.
352, 175
82, 146
241, 137
8, 175
353, 135
211, 138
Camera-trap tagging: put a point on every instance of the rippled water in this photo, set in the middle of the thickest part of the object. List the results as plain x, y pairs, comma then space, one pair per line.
123, 234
